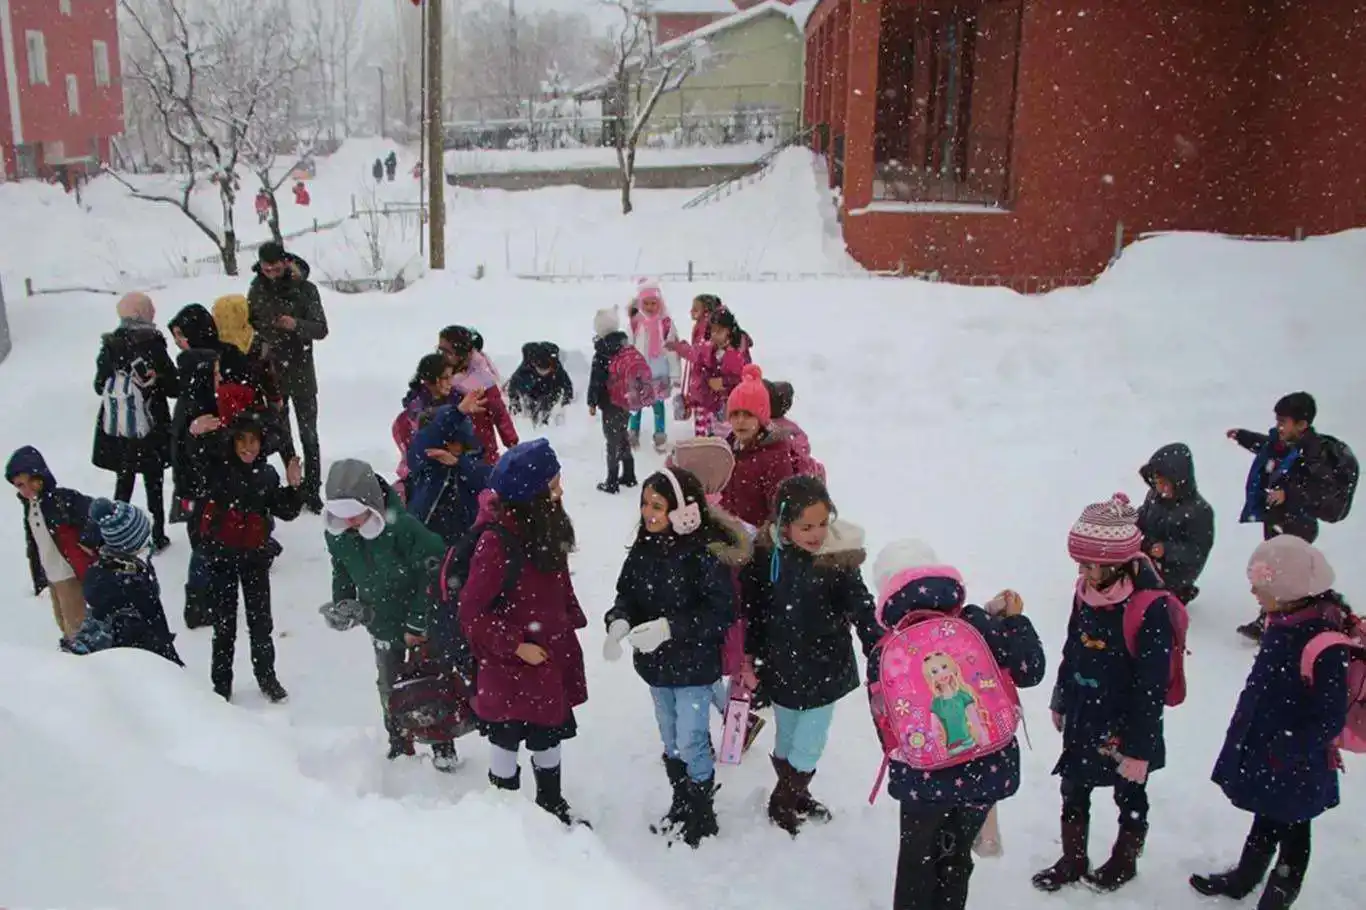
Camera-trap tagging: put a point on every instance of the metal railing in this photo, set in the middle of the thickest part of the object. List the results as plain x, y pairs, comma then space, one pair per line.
762, 165
766, 127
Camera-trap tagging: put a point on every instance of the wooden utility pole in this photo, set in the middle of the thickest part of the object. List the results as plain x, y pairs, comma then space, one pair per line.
436, 168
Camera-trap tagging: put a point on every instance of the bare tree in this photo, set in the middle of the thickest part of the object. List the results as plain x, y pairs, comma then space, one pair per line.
642, 71
219, 77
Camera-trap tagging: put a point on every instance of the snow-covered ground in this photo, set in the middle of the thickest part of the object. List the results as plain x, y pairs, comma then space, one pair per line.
782, 224
974, 418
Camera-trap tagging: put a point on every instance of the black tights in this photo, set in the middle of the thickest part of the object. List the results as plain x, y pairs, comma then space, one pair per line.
1130, 798
934, 863
1294, 841
152, 481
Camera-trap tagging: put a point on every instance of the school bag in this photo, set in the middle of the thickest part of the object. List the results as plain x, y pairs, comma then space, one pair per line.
444, 634
1135, 610
428, 702
941, 699
1353, 735
125, 406
630, 384
1344, 472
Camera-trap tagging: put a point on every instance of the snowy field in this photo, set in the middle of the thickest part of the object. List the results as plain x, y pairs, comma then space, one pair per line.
973, 418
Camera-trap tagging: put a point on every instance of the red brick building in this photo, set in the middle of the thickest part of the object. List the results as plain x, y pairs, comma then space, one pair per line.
676, 18
61, 100
1002, 139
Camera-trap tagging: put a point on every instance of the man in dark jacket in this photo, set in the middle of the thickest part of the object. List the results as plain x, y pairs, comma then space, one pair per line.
287, 312
1176, 521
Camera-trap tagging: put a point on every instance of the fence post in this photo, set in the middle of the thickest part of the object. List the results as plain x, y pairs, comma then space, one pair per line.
1119, 239
690, 273
315, 225
353, 205
28, 287
1299, 233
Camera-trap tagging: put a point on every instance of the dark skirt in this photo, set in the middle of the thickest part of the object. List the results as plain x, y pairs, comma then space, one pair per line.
511, 734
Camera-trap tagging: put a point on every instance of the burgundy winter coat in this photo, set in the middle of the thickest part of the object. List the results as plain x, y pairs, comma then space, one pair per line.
758, 472
541, 608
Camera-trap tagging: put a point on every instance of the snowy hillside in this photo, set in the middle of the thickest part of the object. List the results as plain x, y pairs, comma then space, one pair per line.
976, 419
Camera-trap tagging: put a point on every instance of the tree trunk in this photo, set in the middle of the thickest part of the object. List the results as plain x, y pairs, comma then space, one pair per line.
227, 251
273, 219
228, 248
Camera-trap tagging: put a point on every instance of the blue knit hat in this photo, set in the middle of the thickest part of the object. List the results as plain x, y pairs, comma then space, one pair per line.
525, 471
124, 527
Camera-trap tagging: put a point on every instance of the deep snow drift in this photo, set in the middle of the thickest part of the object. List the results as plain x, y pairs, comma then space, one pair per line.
976, 419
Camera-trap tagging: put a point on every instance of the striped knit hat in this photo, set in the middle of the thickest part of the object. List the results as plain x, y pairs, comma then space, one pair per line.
1106, 534
124, 527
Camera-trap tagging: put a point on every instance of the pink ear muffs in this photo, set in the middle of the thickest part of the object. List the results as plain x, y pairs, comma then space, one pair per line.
688, 516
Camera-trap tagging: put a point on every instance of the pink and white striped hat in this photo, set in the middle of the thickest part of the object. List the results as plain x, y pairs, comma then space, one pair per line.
1106, 534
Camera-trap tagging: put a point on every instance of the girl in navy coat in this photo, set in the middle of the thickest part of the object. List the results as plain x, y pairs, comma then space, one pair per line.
1108, 703
446, 474
943, 811
1278, 760
675, 601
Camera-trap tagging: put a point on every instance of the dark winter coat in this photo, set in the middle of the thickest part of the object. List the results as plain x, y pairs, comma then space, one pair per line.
236, 517
799, 610
1299, 469
123, 606
1017, 650
195, 367
542, 609
196, 324
1183, 525
531, 393
759, 470
392, 574
118, 350
445, 498
290, 352
605, 350
1109, 699
1277, 759
680, 579
66, 513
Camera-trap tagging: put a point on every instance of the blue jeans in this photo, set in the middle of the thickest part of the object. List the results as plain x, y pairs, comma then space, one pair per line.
802, 735
684, 716
659, 418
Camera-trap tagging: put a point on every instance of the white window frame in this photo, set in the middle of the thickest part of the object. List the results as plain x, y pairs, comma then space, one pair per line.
101, 63
36, 46
73, 95
65, 7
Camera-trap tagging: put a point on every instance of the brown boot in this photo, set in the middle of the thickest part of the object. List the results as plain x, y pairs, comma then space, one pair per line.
807, 806
1122, 866
1074, 864
782, 805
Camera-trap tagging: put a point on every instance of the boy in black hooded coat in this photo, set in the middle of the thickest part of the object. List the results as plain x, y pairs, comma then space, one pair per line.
1176, 521
540, 384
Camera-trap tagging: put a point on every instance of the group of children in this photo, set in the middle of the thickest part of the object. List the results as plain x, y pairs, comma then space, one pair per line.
743, 588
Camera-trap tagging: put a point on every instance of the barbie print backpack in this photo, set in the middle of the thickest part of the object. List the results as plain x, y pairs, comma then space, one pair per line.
940, 699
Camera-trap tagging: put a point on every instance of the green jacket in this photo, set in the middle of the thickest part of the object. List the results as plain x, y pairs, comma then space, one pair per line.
391, 574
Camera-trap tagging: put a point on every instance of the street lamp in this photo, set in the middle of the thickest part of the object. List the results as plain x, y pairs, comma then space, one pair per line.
381, 101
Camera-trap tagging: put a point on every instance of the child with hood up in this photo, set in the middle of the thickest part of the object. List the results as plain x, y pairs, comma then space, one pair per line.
764, 457
715, 368
800, 593
608, 342
541, 384
384, 564
474, 374
57, 534
121, 588
1176, 521
446, 475
942, 812
653, 333
675, 600
1109, 701
781, 394
1279, 761
429, 389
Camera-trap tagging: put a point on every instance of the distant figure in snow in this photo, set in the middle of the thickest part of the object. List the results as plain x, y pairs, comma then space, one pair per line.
262, 207
391, 166
378, 170
301, 196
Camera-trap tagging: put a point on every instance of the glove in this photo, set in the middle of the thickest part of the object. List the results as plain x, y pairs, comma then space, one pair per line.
1134, 770
1057, 721
648, 636
611, 648
559, 418
341, 615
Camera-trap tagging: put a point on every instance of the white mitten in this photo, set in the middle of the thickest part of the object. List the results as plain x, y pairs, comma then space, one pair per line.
611, 648
648, 636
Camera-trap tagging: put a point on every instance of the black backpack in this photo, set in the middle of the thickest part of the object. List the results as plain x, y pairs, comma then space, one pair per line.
446, 640
1343, 472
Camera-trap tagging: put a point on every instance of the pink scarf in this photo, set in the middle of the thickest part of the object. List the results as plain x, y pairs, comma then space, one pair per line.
1112, 596
654, 331
478, 375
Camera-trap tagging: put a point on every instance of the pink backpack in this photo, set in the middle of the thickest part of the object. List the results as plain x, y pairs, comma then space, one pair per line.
941, 700
1135, 610
1353, 735
630, 384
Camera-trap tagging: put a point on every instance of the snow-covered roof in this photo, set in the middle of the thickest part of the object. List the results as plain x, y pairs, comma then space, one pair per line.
694, 7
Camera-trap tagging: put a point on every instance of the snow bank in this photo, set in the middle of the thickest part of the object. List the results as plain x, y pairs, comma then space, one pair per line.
127, 785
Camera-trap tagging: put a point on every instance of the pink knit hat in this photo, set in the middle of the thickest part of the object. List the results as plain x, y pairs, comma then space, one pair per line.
648, 289
751, 395
1106, 534
1289, 569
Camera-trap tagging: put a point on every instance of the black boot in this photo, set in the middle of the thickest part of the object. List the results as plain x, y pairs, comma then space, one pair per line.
1243, 879
699, 821
197, 613
609, 486
550, 798
506, 783
952, 876
444, 758
399, 746
272, 690
1283, 887
677, 771
628, 471
1122, 866
1074, 863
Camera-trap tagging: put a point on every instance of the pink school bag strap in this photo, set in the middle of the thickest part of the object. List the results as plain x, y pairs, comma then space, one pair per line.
1134, 613
1317, 645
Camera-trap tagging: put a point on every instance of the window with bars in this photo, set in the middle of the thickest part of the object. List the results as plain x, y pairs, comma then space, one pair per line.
101, 63
37, 57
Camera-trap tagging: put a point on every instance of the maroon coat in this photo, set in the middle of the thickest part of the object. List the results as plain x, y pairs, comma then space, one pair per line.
758, 472
542, 609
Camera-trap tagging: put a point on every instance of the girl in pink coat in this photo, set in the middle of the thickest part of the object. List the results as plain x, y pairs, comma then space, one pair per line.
715, 368
654, 335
